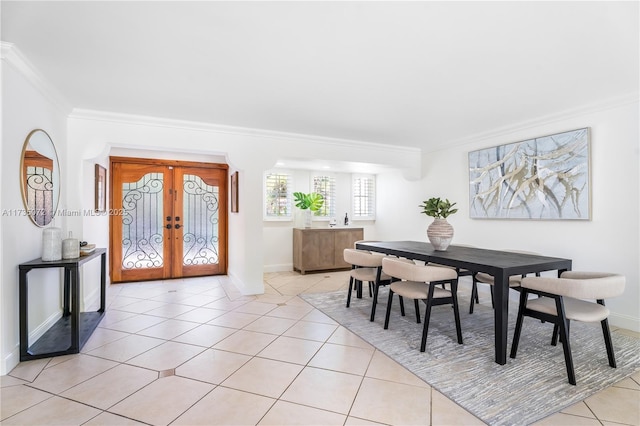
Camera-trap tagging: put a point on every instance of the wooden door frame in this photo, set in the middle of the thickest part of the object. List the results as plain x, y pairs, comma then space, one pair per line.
223, 226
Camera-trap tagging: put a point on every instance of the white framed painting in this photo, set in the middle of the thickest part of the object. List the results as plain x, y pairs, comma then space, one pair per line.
541, 178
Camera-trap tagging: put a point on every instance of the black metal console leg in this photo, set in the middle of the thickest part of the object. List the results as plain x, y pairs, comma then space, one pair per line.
66, 285
75, 310
23, 300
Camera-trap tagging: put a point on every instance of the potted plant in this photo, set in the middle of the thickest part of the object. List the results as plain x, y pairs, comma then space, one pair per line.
439, 232
311, 202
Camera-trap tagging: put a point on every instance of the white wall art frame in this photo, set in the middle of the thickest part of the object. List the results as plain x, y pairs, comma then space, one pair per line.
546, 177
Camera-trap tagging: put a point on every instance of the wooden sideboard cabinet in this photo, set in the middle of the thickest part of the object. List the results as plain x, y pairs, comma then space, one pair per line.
320, 249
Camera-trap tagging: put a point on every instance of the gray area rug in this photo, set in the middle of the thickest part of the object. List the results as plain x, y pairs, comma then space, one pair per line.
526, 389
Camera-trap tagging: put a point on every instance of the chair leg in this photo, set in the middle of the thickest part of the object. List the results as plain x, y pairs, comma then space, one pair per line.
556, 334
350, 289
417, 305
427, 316
456, 311
401, 305
474, 294
376, 288
370, 289
564, 336
608, 343
374, 304
386, 318
607, 338
358, 289
606, 332
516, 334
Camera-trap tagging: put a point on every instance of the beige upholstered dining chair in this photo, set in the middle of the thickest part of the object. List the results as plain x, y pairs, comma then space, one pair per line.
459, 271
419, 283
560, 302
483, 278
365, 267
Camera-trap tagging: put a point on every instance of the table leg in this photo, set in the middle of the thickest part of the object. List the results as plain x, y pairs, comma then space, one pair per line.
65, 302
103, 287
501, 315
23, 296
75, 311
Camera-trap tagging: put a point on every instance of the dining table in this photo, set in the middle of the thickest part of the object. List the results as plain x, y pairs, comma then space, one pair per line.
497, 263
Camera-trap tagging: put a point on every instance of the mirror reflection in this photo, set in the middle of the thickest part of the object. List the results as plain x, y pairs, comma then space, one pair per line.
40, 177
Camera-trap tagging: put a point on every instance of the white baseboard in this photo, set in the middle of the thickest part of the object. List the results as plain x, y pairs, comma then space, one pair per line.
233, 286
39, 331
92, 301
625, 321
11, 360
278, 268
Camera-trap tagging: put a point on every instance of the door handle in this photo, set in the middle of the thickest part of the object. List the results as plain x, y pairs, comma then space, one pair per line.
177, 218
177, 226
168, 218
168, 226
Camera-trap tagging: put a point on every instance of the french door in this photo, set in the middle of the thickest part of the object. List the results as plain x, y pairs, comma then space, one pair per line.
169, 219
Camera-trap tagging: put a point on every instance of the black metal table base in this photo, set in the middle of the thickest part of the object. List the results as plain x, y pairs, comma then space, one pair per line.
69, 334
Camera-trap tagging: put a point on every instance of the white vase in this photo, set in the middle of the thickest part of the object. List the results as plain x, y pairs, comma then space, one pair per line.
307, 218
70, 248
440, 234
51, 244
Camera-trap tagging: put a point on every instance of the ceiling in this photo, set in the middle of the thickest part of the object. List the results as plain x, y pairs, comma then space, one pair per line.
418, 74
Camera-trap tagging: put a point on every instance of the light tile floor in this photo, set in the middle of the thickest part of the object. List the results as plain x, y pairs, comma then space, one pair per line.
196, 352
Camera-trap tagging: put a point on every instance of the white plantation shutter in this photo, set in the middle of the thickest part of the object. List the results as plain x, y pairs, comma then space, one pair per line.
364, 197
326, 186
277, 196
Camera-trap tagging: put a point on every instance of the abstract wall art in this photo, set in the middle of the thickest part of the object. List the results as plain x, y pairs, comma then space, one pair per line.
541, 178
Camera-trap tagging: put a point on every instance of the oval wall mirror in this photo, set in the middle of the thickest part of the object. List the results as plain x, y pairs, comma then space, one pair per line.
40, 177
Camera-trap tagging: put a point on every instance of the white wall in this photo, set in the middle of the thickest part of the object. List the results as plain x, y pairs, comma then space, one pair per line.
24, 108
608, 242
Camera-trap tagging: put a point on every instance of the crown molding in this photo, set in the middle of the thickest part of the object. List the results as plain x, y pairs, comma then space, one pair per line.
603, 105
12, 56
141, 120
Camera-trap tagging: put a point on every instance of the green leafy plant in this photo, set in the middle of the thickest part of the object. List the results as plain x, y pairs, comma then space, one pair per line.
312, 201
438, 208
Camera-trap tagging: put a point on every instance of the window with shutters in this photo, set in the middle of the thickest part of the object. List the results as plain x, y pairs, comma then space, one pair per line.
278, 196
326, 186
364, 197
